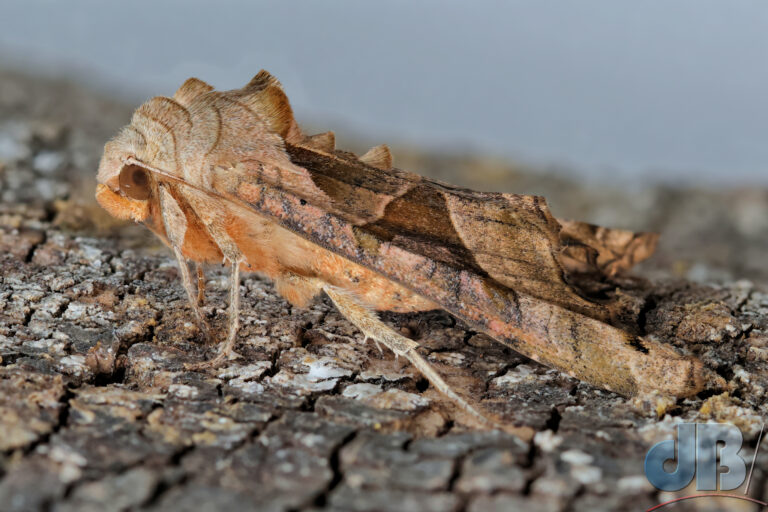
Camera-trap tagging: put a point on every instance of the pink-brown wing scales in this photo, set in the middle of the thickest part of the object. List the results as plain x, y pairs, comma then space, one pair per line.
511, 240
448, 245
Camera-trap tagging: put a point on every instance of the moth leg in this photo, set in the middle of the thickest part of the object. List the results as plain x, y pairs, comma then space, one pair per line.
234, 320
192, 295
200, 285
235, 258
368, 322
175, 222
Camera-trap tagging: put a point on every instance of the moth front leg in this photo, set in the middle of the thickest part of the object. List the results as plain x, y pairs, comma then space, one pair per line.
368, 322
193, 294
213, 223
233, 323
175, 223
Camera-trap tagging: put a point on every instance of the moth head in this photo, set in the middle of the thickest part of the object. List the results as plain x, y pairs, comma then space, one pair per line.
125, 187
131, 199
185, 136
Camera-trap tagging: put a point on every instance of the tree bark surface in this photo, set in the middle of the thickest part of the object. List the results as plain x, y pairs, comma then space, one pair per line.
97, 410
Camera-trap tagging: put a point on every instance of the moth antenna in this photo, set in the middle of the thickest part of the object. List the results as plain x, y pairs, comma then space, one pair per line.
266, 96
378, 157
325, 142
190, 90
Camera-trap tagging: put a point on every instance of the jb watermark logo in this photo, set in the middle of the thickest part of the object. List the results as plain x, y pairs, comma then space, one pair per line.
708, 452
696, 454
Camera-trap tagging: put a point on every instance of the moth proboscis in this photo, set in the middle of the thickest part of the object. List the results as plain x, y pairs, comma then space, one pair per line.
230, 177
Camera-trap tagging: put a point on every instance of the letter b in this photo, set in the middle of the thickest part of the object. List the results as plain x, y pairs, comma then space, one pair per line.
708, 436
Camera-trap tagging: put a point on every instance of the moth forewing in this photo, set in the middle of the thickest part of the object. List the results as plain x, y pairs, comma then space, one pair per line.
579, 345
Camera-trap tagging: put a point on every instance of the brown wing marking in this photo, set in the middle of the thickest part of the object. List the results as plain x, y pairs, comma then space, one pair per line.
514, 239
356, 192
511, 238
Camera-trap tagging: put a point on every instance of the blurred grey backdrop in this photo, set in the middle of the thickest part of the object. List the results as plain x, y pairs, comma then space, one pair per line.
655, 90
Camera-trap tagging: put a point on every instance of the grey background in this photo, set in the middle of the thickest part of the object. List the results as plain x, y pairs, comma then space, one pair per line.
659, 90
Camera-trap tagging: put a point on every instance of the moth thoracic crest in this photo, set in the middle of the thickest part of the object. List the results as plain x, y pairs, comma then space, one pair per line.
134, 182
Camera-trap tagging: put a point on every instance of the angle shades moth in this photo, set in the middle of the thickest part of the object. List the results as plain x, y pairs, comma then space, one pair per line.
230, 177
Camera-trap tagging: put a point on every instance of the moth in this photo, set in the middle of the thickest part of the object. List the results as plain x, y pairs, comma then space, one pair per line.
230, 177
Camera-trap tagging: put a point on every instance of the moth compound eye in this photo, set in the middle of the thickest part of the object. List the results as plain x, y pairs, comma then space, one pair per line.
134, 182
